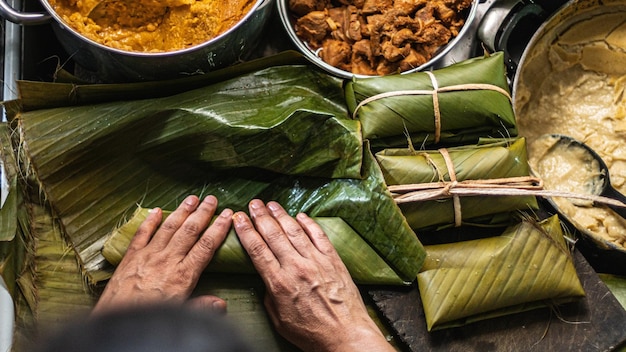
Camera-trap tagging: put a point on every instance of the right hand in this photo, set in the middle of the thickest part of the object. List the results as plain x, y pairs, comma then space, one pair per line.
311, 298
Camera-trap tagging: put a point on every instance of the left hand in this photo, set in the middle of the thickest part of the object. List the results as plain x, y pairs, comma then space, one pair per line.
163, 263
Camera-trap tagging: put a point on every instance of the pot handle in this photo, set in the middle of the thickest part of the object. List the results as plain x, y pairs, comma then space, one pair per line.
8, 13
503, 18
510, 20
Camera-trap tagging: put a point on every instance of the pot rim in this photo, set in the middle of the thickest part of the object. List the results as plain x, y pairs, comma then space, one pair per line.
212, 41
559, 17
285, 17
572, 10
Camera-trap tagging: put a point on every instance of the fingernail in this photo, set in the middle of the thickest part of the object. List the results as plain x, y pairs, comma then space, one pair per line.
219, 307
210, 200
256, 204
153, 210
226, 213
273, 206
238, 218
191, 201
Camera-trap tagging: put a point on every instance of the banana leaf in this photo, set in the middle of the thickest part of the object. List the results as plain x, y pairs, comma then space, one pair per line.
40, 269
35, 95
95, 163
466, 114
617, 286
8, 218
12, 249
493, 160
57, 288
528, 266
244, 296
363, 263
290, 111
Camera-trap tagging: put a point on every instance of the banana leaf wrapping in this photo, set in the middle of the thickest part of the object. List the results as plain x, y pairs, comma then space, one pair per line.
457, 104
280, 133
363, 263
504, 160
528, 266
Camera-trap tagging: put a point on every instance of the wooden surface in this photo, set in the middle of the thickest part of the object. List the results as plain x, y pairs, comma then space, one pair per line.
595, 323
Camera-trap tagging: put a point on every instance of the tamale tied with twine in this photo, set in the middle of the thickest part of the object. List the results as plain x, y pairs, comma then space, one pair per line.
442, 188
457, 104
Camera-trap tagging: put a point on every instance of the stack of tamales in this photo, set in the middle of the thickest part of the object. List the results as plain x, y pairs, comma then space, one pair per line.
462, 121
97, 156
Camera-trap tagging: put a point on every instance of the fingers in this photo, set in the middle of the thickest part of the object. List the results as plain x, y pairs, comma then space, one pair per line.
270, 230
262, 257
208, 303
292, 229
146, 229
186, 236
173, 222
315, 234
202, 251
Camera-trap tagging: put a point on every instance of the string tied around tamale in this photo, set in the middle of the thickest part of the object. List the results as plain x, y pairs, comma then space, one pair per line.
507, 186
456, 201
435, 97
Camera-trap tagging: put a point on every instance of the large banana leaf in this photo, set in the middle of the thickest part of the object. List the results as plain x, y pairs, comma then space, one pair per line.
8, 218
96, 162
363, 263
55, 288
493, 160
284, 105
466, 114
40, 269
528, 266
12, 249
35, 95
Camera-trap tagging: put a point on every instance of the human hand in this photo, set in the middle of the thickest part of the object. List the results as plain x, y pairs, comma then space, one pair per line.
311, 299
163, 263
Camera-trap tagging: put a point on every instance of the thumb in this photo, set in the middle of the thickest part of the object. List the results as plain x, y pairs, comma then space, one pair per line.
208, 303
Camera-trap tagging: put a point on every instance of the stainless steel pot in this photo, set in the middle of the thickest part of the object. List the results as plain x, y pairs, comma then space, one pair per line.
114, 65
288, 22
535, 66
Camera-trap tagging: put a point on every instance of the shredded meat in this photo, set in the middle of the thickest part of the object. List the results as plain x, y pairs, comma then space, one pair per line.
378, 37
302, 7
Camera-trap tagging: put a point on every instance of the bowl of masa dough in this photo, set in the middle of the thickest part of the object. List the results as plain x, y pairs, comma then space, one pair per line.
145, 40
571, 81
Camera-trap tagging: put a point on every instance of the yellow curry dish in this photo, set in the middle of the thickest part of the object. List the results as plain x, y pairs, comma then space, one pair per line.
151, 25
582, 96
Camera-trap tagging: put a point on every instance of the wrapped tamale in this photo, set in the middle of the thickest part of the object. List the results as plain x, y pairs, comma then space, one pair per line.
95, 163
502, 162
363, 263
528, 266
456, 104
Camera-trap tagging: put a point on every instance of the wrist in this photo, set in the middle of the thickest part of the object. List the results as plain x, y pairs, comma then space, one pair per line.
363, 339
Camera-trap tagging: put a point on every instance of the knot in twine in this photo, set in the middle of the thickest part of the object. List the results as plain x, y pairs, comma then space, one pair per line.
455, 189
435, 95
509, 186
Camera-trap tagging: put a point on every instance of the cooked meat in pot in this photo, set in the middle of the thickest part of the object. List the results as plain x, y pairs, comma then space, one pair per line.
378, 37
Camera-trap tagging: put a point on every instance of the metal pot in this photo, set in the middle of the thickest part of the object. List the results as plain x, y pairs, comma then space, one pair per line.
534, 66
436, 61
114, 65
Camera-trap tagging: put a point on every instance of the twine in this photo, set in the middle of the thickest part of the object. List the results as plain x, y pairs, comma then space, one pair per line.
456, 201
435, 95
509, 186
